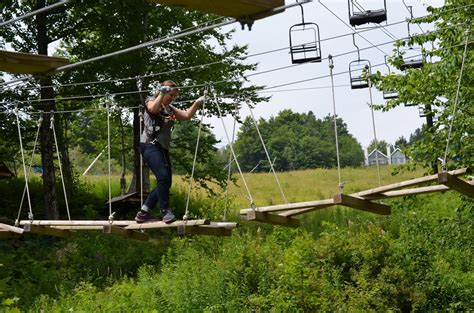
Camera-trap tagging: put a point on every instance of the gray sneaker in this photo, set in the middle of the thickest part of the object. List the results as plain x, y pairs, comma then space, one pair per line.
168, 216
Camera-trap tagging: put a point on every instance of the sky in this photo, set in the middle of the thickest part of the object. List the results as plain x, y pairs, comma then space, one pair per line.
351, 105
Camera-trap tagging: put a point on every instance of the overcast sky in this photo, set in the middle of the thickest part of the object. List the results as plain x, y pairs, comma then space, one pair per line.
351, 105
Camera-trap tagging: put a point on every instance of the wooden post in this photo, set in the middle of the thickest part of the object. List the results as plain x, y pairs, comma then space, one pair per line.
456, 184
48, 231
115, 230
361, 204
272, 219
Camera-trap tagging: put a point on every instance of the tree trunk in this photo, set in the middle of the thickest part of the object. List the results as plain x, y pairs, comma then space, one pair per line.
46, 136
135, 185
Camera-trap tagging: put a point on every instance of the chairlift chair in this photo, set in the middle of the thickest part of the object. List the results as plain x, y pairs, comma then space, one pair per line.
305, 43
357, 68
359, 16
413, 59
389, 94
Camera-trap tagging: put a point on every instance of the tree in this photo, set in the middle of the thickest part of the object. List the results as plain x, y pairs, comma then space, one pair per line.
296, 141
435, 86
401, 143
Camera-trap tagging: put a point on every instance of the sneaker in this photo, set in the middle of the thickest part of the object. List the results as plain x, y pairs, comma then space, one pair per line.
143, 217
169, 217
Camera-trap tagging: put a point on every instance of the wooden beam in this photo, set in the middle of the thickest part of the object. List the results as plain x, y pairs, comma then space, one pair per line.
12, 229
407, 183
272, 219
48, 231
207, 230
456, 184
27, 63
157, 225
361, 204
302, 211
223, 224
5, 234
76, 223
115, 230
290, 206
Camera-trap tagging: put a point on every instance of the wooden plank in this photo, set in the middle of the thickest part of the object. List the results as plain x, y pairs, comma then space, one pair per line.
206, 230
79, 227
127, 233
26, 63
12, 229
76, 223
408, 183
456, 184
48, 231
272, 219
362, 204
232, 8
302, 211
123, 198
291, 206
223, 224
157, 225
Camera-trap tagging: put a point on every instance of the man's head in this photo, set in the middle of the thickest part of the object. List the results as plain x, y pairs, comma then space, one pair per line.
170, 96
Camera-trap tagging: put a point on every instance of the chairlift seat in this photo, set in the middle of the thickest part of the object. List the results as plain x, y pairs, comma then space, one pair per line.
359, 83
387, 95
308, 51
232, 8
411, 63
369, 16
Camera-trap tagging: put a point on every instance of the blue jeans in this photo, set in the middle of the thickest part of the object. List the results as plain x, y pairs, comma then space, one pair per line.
158, 160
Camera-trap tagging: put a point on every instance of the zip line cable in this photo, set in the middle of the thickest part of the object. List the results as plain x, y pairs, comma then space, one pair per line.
33, 13
222, 81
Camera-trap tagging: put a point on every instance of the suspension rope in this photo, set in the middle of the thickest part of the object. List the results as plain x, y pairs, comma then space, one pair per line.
23, 160
229, 170
30, 217
247, 101
331, 67
445, 159
249, 195
186, 213
108, 100
374, 129
140, 127
59, 164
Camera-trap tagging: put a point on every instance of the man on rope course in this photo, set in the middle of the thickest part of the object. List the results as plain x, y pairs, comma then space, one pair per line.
159, 118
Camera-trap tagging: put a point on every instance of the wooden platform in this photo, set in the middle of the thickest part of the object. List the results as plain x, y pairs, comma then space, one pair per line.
128, 229
8, 231
26, 63
363, 200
